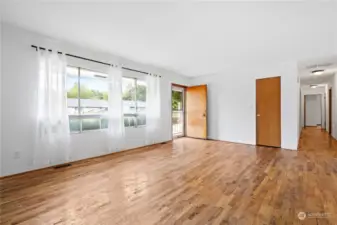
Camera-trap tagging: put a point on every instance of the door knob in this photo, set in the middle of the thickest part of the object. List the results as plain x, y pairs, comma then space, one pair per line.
258, 115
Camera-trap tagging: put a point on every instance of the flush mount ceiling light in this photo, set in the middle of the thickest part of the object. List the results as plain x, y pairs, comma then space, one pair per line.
313, 86
99, 76
317, 72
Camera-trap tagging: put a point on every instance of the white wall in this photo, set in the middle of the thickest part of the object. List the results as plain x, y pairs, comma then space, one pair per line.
19, 85
231, 103
335, 27
299, 108
321, 90
313, 110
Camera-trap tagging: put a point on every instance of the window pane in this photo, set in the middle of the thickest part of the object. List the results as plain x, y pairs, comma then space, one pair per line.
93, 85
90, 91
126, 122
72, 110
177, 100
74, 124
72, 90
128, 93
93, 93
91, 123
141, 97
104, 123
141, 119
141, 91
72, 82
130, 120
134, 102
128, 89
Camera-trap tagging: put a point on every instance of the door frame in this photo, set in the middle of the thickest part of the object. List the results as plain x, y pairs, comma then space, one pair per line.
184, 111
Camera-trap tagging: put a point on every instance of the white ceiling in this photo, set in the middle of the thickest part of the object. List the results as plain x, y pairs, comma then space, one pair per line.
191, 38
315, 79
328, 64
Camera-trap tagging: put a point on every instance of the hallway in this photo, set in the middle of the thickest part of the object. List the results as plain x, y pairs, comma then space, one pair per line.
317, 141
316, 164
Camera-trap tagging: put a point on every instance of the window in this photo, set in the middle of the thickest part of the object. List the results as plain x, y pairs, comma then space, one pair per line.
87, 93
134, 102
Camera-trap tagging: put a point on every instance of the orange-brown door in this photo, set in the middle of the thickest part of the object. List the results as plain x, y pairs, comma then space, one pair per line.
268, 111
196, 111
305, 110
330, 111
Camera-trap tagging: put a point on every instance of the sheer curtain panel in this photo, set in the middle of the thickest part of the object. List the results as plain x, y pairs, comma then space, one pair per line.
52, 122
116, 130
153, 114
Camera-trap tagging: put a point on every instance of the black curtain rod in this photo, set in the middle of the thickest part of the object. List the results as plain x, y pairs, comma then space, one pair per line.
91, 60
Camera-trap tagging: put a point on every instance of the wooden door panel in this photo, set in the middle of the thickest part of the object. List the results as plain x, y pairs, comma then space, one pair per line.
268, 111
330, 111
196, 111
305, 111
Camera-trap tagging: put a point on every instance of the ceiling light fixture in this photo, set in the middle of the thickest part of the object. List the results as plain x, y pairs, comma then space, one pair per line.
100, 76
317, 72
313, 86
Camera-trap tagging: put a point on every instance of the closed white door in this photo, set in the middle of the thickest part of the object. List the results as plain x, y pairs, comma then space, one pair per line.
313, 109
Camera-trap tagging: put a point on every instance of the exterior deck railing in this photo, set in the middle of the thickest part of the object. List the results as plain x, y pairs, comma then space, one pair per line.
177, 123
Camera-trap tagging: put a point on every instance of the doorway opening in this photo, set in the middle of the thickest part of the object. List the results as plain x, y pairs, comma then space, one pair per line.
314, 110
178, 111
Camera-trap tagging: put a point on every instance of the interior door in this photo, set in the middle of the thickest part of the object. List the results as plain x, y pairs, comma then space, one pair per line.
330, 111
313, 109
196, 111
305, 111
268, 111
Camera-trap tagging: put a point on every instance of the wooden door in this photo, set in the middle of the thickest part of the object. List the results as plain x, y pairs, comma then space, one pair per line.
305, 111
268, 111
330, 111
196, 111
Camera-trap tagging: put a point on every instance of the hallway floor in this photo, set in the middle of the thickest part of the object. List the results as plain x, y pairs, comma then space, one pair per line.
316, 140
188, 181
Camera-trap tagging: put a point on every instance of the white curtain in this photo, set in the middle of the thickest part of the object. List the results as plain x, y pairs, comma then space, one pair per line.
116, 130
153, 114
52, 128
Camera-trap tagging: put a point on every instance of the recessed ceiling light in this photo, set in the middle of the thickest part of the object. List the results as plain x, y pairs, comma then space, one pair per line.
313, 86
317, 72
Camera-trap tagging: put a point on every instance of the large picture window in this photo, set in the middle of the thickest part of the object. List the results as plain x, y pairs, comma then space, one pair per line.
87, 93
134, 102
87, 97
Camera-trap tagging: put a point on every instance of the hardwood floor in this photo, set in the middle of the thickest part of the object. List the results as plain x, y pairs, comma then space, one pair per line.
188, 182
